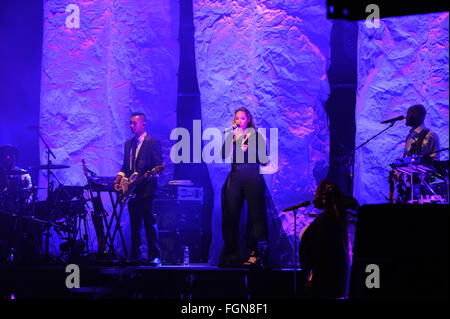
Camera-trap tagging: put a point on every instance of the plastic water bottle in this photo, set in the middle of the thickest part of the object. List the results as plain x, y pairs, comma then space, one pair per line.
186, 256
11, 257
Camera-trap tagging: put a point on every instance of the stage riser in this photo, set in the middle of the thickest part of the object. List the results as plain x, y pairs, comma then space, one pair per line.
149, 283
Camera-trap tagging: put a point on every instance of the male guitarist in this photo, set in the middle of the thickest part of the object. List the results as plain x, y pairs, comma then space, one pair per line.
142, 154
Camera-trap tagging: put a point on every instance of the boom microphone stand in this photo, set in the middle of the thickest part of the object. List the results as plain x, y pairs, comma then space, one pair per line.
351, 160
294, 209
295, 253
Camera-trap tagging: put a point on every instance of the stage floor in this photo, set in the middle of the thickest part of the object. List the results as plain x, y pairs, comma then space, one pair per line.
178, 282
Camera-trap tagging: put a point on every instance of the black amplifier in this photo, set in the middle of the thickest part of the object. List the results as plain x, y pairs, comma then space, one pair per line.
178, 215
180, 192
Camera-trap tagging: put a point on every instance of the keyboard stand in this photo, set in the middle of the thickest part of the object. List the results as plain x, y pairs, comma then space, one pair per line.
114, 216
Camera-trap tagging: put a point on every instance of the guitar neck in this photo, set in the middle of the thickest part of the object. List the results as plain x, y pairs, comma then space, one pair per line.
141, 178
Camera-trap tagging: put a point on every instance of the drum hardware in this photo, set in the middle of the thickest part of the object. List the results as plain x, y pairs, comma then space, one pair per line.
50, 166
19, 201
73, 249
418, 173
62, 211
13, 172
68, 209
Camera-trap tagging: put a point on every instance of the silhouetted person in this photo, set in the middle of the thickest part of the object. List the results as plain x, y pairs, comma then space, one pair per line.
15, 183
15, 196
323, 247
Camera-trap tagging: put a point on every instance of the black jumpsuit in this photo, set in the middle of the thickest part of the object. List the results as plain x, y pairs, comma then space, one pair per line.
243, 182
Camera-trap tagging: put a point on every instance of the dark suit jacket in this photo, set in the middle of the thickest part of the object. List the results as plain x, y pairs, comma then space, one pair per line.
149, 156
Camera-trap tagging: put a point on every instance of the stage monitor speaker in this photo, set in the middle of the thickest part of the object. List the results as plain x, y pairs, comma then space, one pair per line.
178, 215
181, 222
172, 245
400, 252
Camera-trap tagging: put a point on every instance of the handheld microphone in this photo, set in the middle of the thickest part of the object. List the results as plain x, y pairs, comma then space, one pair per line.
304, 204
231, 128
395, 119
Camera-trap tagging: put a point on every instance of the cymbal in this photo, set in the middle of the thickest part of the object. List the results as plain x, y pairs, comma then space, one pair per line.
51, 166
16, 172
34, 219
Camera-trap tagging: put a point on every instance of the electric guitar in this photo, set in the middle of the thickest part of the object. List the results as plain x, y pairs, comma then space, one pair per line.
128, 185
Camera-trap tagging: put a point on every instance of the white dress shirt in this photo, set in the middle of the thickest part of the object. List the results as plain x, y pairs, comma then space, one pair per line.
140, 140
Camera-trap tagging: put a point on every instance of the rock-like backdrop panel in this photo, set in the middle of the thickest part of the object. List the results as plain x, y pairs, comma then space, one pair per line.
123, 58
401, 63
270, 57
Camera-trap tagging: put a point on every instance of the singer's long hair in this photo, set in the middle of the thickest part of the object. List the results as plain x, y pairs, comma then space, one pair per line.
251, 123
331, 199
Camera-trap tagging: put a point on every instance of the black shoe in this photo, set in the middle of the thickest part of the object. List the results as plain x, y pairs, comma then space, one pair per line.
155, 262
254, 261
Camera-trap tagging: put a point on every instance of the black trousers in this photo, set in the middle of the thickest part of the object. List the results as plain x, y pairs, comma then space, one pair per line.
140, 210
243, 183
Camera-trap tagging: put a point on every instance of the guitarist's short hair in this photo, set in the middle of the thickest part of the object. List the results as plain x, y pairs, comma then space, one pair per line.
140, 115
420, 111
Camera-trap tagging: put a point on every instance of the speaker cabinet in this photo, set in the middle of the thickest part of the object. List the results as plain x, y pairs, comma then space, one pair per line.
180, 224
400, 251
178, 215
172, 246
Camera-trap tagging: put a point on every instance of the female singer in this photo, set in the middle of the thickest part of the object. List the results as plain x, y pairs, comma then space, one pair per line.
244, 182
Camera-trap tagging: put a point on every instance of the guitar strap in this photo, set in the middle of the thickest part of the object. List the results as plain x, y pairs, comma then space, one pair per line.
416, 148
